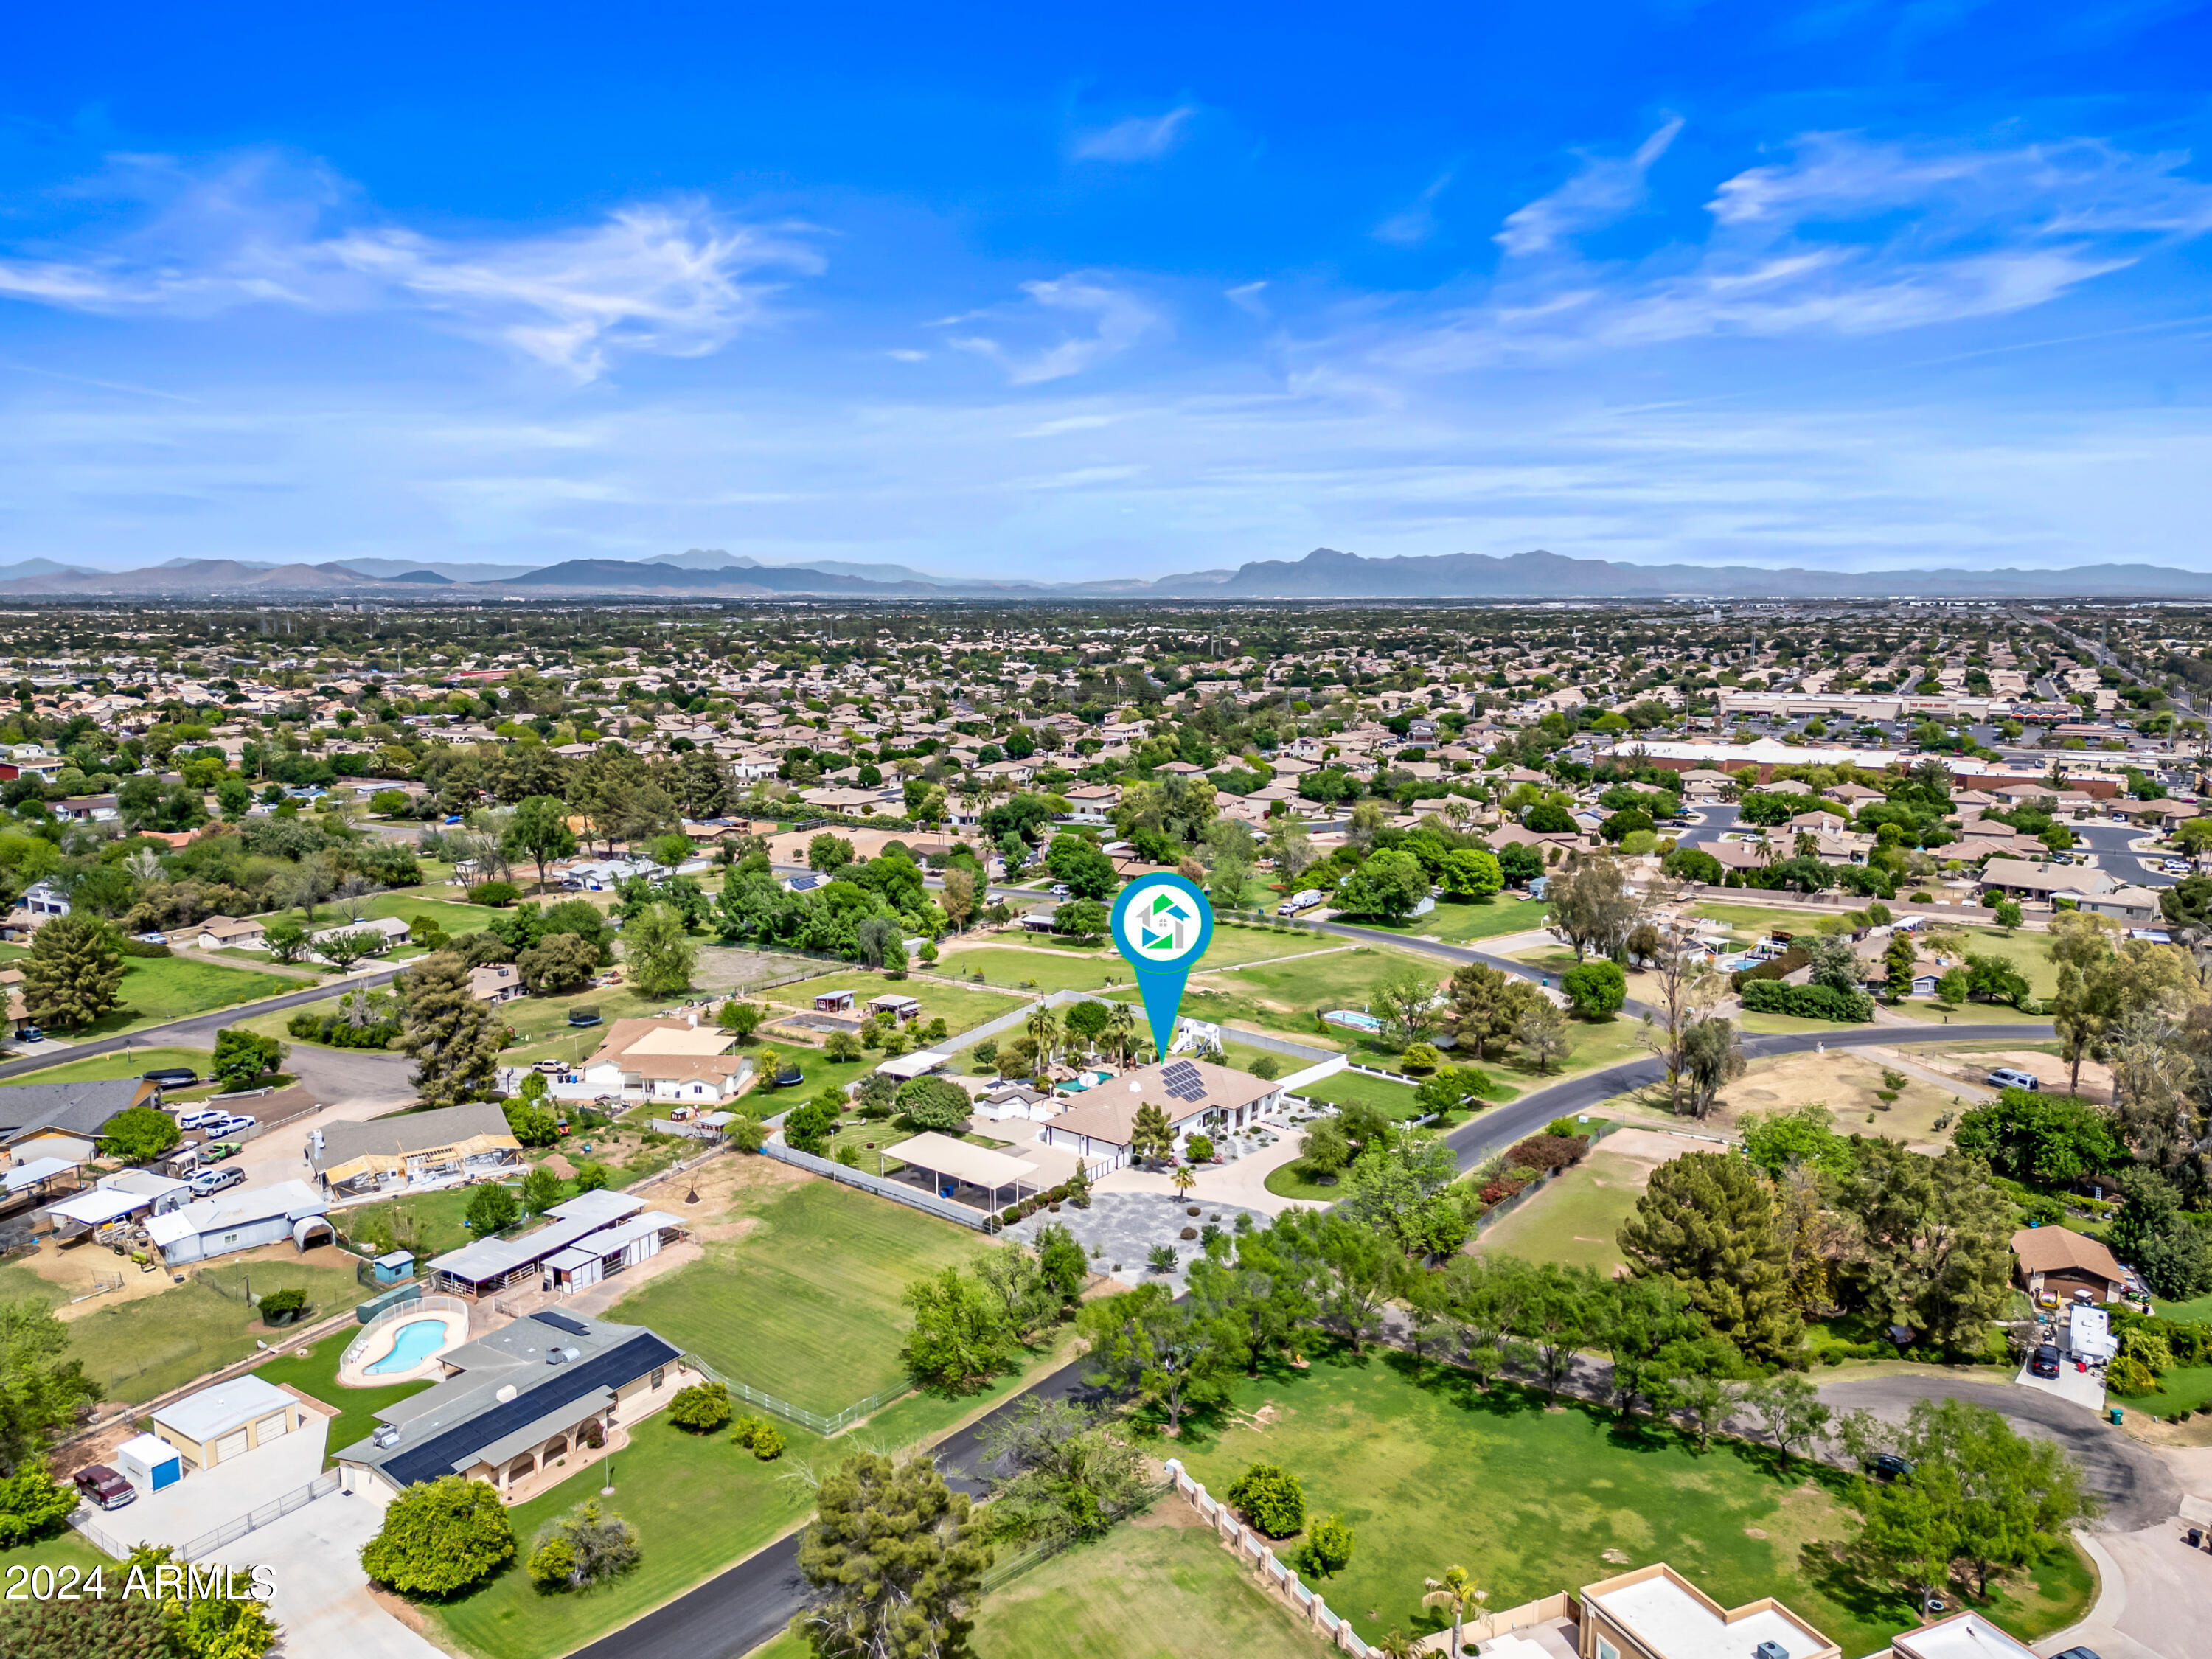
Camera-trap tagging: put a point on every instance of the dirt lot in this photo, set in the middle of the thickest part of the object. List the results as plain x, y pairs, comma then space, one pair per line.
1847, 1083
1971, 1067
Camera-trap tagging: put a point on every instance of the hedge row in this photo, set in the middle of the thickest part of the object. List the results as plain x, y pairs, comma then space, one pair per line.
1768, 996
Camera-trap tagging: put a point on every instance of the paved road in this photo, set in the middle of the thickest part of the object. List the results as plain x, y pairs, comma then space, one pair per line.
2138, 1488
191, 1030
1456, 953
2108, 841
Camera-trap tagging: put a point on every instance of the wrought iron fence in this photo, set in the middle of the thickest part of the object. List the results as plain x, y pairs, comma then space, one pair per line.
824, 1425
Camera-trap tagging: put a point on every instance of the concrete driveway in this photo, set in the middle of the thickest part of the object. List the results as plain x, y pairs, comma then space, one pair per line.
322, 1597
2082, 1389
208, 1498
2154, 1593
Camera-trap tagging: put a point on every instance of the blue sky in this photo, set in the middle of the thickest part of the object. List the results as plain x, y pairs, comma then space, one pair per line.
1066, 293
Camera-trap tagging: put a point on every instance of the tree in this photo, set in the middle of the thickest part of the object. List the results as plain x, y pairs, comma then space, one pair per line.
1930, 1243
1598, 990
343, 948
659, 953
1171, 1355
957, 896
808, 1128
74, 972
1592, 907
960, 1339
893, 1561
558, 965
740, 1019
2171, 1251
440, 1536
138, 1134
1065, 1477
539, 830
1061, 1260
541, 1190
1404, 1000
2051, 1141
1270, 1500
493, 1207
242, 1058
933, 1102
1898, 963
828, 853
1789, 1408
1542, 1033
1688, 988
1451, 1088
286, 939
1712, 1058
453, 1039
583, 1547
1485, 1005
1707, 1221
32, 1502
1088, 872
1388, 886
1080, 918
1151, 1138
1328, 1546
42, 1388
1470, 873
1456, 1591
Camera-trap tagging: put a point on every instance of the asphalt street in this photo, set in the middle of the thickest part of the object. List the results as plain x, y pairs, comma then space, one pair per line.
2108, 841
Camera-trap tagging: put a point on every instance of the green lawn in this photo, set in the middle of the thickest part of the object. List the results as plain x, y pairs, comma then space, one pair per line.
2197, 1312
698, 1503
1393, 1100
1457, 923
1003, 966
960, 1006
101, 1068
428, 1224
317, 1375
1336, 979
1386, 1442
2181, 1390
1968, 1013
158, 989
1776, 1024
1149, 1589
1284, 1181
135, 1350
64, 1547
1574, 1219
806, 1306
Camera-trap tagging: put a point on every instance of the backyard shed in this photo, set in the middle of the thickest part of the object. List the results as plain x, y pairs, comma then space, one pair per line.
148, 1463
597, 1256
227, 1421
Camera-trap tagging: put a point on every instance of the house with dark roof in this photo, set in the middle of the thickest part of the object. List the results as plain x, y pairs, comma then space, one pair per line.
513, 1404
413, 1149
64, 1120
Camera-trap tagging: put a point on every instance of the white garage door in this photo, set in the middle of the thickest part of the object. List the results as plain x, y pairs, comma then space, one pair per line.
230, 1446
270, 1427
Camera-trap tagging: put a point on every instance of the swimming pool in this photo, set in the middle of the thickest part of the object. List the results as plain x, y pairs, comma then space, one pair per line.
1353, 1019
418, 1341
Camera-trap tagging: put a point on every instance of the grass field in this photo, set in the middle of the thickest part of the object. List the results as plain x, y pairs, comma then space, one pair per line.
2181, 1390
1155, 1588
698, 1504
428, 1224
1382, 1441
1455, 923
317, 1375
101, 1068
2197, 1312
1573, 1220
960, 1006
1394, 1100
1339, 979
158, 989
1003, 966
806, 1304
135, 1350
64, 1548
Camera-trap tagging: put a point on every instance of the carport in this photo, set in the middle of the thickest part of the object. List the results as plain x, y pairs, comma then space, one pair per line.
967, 1173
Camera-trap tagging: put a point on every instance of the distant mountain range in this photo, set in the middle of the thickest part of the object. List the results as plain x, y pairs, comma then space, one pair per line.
1324, 574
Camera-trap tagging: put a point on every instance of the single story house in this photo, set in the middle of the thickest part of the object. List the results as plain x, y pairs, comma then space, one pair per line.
496, 981
414, 1149
127, 1196
64, 1120
516, 1402
229, 933
1198, 1098
221, 1424
675, 1061
389, 931
2136, 906
1654, 1613
241, 1219
492, 1265
2017, 879
2059, 1261
88, 809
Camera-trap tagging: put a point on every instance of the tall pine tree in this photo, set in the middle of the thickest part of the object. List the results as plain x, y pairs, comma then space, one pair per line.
452, 1038
1707, 1222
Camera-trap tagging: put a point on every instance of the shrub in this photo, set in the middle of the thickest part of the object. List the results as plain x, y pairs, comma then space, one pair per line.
495, 893
1270, 1500
933, 1102
1328, 1546
1267, 1068
1770, 996
1423, 1057
1563, 1127
585, 1546
701, 1409
440, 1536
842, 1047
282, 1307
759, 1437
1198, 1150
140, 947
2129, 1375
1547, 1152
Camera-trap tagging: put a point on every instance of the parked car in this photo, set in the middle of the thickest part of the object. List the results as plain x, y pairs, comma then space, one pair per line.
216, 1150
105, 1488
173, 1077
230, 1124
207, 1181
31, 1034
2076, 1653
2006, 1077
552, 1067
1887, 1465
2045, 1362
200, 1117
2175, 866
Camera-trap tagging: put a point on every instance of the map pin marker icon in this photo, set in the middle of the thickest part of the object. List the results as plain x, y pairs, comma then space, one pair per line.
1161, 924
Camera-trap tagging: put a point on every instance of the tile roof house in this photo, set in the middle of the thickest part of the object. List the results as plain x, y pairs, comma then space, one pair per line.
1196, 1095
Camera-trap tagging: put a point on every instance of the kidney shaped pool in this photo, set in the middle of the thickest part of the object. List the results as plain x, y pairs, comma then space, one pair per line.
418, 1341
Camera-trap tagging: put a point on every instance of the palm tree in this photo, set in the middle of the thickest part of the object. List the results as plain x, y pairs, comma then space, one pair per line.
1183, 1180
1043, 1029
1455, 1590
1396, 1645
1121, 1026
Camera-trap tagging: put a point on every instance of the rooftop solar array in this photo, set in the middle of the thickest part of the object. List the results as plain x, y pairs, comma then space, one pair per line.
560, 1321
1183, 1081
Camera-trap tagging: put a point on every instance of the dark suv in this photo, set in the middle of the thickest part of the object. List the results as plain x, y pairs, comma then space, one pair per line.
105, 1488
2045, 1361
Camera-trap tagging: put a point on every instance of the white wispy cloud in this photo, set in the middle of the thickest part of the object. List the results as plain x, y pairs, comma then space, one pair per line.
670, 279
1117, 318
1418, 223
1847, 237
1603, 189
1137, 138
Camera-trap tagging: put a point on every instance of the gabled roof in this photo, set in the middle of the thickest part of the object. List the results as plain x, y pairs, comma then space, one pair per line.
2060, 1250
78, 1108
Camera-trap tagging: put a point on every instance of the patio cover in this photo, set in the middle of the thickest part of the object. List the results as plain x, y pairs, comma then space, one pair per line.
915, 1064
31, 1174
100, 1205
979, 1166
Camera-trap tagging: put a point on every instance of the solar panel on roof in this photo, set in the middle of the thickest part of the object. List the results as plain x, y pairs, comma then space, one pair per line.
560, 1321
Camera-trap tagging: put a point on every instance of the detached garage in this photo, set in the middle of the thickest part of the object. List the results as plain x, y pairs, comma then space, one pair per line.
228, 1420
